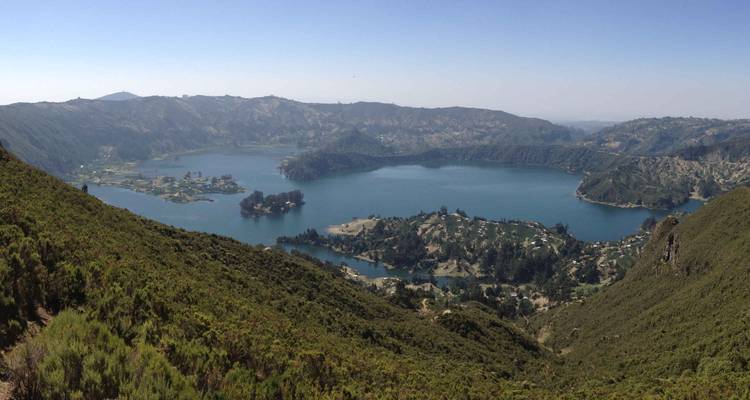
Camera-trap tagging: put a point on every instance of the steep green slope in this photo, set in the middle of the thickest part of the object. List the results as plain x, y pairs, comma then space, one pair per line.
681, 314
214, 316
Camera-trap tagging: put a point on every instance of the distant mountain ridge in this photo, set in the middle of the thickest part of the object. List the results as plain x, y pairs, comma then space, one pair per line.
119, 96
649, 162
61, 136
667, 135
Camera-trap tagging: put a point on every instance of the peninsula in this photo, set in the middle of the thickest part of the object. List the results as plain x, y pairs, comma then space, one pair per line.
492, 261
193, 186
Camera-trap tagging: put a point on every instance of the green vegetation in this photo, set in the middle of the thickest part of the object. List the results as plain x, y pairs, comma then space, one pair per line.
155, 309
256, 204
680, 315
503, 264
99, 303
77, 358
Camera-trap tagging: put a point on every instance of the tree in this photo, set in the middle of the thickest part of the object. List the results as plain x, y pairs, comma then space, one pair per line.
588, 273
560, 228
525, 307
489, 258
296, 196
559, 288
648, 223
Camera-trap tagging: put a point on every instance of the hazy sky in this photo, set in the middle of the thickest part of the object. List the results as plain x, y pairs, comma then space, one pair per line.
557, 59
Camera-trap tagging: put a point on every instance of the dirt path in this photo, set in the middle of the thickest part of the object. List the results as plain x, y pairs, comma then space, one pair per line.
544, 334
424, 307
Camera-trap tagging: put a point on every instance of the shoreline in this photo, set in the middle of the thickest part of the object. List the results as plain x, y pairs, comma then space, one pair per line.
164, 156
583, 197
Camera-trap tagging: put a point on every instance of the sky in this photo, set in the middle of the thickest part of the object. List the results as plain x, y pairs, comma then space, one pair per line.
560, 60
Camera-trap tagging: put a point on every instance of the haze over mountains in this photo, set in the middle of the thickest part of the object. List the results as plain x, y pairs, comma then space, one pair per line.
140, 128
651, 162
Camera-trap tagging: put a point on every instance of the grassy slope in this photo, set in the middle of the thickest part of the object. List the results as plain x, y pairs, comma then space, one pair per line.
684, 319
212, 304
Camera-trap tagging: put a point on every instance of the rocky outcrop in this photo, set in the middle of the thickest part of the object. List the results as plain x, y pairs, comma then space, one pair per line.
670, 252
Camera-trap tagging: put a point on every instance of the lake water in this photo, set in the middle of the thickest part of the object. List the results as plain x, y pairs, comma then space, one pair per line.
491, 191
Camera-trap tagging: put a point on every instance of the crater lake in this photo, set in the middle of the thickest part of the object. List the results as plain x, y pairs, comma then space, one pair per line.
487, 190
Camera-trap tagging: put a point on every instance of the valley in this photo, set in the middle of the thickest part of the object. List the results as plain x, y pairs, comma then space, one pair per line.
546, 221
501, 278
374, 200
219, 286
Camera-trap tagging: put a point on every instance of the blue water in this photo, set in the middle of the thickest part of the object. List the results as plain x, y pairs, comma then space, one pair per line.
491, 191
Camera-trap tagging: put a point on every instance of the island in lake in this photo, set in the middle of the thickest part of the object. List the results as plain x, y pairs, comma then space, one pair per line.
193, 186
256, 204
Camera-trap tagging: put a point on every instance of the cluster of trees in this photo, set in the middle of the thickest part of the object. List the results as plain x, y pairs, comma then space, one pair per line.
504, 260
33, 275
74, 357
256, 204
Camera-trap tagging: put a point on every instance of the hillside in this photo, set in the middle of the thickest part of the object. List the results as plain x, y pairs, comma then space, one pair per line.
60, 136
513, 267
141, 307
680, 313
672, 160
122, 306
664, 136
357, 142
577, 159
